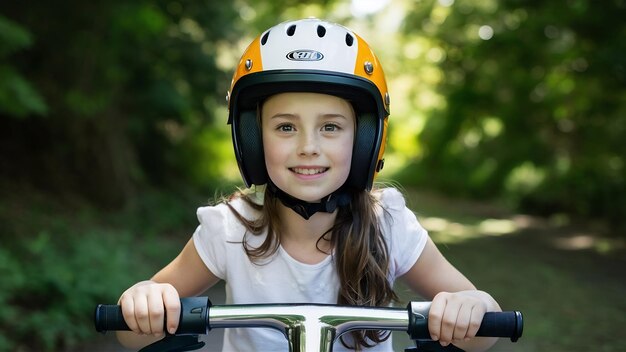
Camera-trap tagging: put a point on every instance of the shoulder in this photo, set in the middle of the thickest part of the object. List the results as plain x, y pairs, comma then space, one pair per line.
225, 217
390, 198
221, 231
235, 204
391, 208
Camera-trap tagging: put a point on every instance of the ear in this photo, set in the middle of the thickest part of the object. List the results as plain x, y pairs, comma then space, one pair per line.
248, 143
365, 151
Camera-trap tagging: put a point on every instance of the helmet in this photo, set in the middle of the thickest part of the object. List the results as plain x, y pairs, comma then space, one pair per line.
310, 55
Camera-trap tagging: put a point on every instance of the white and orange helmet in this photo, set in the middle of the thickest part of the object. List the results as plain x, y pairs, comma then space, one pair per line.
310, 55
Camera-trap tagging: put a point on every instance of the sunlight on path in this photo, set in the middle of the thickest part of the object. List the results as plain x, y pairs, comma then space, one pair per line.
451, 221
447, 231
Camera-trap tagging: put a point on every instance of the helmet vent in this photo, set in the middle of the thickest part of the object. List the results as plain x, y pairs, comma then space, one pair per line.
321, 31
291, 30
264, 37
349, 39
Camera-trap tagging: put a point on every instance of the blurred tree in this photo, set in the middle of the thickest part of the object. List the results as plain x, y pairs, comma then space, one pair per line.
535, 103
123, 83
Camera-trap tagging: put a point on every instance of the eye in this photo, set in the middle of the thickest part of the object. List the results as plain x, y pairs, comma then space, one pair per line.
285, 128
330, 127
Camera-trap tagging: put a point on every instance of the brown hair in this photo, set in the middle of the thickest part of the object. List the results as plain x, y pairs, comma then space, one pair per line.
361, 253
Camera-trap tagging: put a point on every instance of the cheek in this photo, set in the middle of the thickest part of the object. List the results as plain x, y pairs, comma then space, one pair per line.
268, 152
346, 156
274, 155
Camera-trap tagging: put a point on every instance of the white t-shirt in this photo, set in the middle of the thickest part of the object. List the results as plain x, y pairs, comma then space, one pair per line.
281, 278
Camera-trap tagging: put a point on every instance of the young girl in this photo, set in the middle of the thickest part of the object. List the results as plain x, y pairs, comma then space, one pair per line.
308, 107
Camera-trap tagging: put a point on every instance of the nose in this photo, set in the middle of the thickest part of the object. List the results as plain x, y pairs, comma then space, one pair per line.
308, 144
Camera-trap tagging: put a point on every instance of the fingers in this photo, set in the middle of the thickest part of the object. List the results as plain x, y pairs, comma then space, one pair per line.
442, 319
460, 329
156, 314
128, 312
435, 315
476, 318
454, 317
145, 307
171, 301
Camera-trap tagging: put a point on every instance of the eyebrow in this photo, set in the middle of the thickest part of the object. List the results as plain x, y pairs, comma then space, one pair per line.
283, 115
291, 116
334, 115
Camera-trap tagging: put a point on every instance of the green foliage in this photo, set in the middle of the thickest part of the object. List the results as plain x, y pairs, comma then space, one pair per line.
59, 266
541, 96
14, 37
18, 98
122, 90
48, 290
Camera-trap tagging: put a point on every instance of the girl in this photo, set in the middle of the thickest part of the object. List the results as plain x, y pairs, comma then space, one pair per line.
308, 107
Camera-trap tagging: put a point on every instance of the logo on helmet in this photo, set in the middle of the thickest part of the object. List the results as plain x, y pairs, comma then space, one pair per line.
305, 55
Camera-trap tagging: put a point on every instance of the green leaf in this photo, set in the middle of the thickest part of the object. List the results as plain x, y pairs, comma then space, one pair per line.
13, 37
18, 98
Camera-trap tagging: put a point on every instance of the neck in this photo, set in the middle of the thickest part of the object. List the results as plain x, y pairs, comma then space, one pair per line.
300, 238
303, 223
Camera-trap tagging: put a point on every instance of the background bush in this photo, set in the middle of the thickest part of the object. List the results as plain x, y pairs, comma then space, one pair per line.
64, 264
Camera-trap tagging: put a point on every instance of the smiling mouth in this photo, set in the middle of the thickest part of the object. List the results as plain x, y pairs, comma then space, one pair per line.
308, 171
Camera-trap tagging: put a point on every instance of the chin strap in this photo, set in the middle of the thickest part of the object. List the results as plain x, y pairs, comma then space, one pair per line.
329, 204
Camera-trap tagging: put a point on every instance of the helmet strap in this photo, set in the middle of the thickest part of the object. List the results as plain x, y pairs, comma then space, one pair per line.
340, 197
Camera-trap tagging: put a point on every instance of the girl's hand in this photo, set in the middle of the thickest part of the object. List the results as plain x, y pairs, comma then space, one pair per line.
455, 317
145, 306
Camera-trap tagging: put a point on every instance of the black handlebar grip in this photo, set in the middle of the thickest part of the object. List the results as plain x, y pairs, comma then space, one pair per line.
495, 324
502, 324
109, 317
194, 317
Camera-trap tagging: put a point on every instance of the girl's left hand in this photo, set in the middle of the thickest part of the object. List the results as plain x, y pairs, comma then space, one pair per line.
455, 317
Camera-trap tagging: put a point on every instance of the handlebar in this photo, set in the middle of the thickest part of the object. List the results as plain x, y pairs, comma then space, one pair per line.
322, 323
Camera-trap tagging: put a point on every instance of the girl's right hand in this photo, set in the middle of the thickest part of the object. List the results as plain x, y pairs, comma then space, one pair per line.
146, 304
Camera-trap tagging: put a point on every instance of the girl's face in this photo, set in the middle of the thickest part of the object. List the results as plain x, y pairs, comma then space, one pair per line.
307, 142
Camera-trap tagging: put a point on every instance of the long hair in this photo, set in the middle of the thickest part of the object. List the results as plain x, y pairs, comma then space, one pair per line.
360, 252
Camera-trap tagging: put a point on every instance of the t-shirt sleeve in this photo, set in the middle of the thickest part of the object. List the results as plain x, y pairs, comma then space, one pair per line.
210, 239
406, 236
